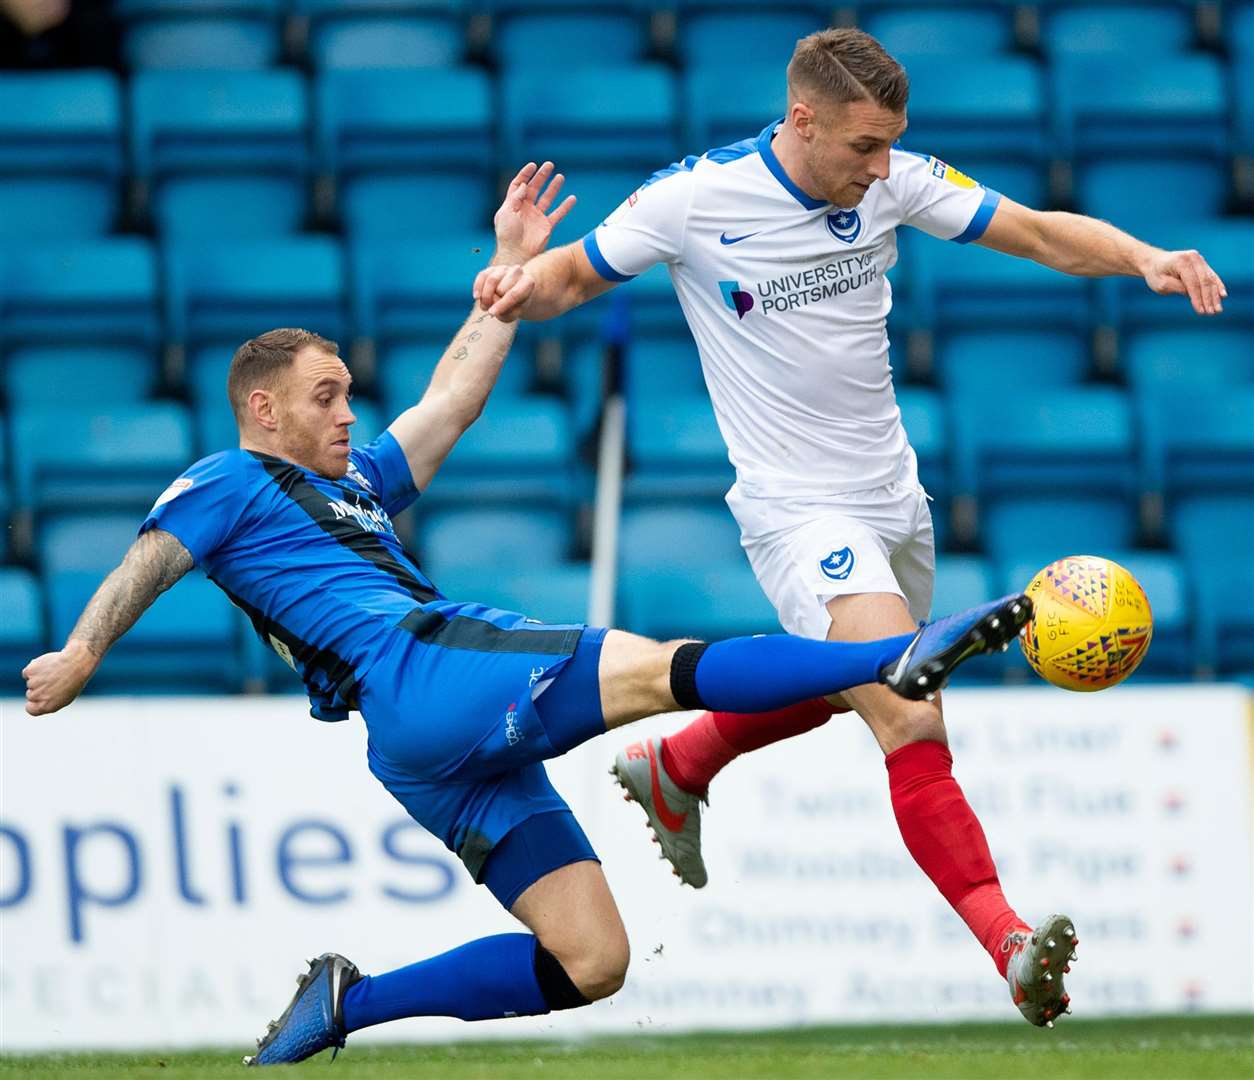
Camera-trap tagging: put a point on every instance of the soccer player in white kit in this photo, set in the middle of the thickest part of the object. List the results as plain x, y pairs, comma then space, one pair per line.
777, 247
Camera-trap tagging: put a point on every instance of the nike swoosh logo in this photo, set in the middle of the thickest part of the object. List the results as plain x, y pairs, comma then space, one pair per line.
725, 239
671, 820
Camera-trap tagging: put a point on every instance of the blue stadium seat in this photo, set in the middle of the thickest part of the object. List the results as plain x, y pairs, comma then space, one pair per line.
675, 451
683, 573
409, 292
6, 499
489, 540
23, 635
405, 370
404, 121
224, 152
107, 456
732, 38
102, 292
659, 367
522, 449
231, 292
1240, 33
1029, 360
417, 205
616, 115
383, 33
924, 418
1243, 111
552, 594
965, 30
1197, 438
1226, 244
1039, 528
81, 375
560, 40
1076, 439
186, 643
647, 303
1212, 535
962, 287
962, 581
60, 153
714, 118
1122, 120
1140, 29
990, 123
1197, 357
212, 34
1167, 586
599, 193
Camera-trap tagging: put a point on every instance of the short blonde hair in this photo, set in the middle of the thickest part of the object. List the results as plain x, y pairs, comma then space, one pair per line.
259, 361
847, 65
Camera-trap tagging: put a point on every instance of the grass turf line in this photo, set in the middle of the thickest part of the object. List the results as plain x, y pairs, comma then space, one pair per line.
1164, 1048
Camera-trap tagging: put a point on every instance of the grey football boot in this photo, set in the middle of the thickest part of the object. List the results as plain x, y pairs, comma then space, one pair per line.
1038, 961
674, 814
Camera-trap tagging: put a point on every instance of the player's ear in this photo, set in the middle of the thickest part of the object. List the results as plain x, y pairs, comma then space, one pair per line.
802, 117
261, 409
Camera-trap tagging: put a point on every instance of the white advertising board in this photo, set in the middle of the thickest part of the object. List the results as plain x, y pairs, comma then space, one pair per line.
167, 864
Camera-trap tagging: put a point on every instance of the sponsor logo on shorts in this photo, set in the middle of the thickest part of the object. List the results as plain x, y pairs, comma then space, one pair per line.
838, 565
845, 225
513, 735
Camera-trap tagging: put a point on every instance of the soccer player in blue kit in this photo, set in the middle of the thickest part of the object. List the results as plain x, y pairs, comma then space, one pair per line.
462, 703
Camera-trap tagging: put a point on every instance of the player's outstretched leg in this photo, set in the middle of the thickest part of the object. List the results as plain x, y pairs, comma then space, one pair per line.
673, 809
1038, 960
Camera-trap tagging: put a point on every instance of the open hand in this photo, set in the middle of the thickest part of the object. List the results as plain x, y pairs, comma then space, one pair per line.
523, 223
1186, 273
57, 678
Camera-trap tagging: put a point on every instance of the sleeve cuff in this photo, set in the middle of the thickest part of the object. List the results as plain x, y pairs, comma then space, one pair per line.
983, 215
593, 250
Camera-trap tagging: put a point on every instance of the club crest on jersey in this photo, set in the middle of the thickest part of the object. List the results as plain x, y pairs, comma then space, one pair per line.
845, 225
838, 565
737, 299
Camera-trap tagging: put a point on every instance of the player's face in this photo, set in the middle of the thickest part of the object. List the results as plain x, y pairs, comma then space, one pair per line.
313, 413
850, 148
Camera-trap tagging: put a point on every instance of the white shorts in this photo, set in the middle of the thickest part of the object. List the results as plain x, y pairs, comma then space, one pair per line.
806, 550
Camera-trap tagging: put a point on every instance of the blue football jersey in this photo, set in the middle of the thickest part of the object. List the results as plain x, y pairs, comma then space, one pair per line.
314, 563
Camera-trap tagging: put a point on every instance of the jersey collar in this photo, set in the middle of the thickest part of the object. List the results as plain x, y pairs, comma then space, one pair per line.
777, 170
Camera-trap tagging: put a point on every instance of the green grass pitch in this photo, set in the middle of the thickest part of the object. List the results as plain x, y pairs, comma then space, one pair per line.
1175, 1048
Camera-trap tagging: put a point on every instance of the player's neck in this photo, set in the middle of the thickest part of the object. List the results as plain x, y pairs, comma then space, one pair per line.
790, 153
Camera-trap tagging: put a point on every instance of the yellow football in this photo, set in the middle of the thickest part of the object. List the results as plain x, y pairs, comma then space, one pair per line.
1091, 623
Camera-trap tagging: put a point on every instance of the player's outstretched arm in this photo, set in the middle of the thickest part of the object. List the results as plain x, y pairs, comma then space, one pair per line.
468, 370
154, 562
1088, 247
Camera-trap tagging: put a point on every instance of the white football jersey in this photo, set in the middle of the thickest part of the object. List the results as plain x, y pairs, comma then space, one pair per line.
787, 300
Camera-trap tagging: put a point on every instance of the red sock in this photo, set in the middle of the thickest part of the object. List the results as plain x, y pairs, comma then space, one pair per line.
944, 836
695, 755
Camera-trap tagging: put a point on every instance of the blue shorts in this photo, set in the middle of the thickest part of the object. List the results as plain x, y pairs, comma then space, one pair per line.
459, 737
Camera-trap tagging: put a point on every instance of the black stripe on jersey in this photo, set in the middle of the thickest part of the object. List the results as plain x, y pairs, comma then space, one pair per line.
292, 482
338, 672
478, 635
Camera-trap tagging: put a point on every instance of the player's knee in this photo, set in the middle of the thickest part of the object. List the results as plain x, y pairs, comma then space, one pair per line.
906, 722
603, 969
599, 968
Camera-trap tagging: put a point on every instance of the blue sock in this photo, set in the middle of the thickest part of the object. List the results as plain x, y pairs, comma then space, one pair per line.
757, 674
481, 980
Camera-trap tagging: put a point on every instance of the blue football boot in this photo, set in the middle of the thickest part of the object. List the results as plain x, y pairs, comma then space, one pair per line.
314, 1019
941, 646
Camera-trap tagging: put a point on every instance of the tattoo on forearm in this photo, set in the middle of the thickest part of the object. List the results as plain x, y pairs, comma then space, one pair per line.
154, 562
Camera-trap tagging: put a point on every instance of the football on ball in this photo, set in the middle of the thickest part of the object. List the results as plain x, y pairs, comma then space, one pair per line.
1090, 626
